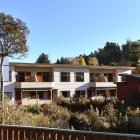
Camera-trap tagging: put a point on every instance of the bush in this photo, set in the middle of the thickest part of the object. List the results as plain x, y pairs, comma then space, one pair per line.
40, 120
12, 114
59, 116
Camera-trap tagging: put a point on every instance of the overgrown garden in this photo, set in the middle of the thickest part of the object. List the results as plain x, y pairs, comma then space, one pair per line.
109, 115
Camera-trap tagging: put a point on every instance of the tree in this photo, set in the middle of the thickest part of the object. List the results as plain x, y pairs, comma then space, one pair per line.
63, 60
109, 55
82, 61
13, 39
93, 61
131, 51
43, 58
78, 61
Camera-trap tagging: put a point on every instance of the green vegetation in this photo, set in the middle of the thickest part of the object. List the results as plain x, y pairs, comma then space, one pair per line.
81, 114
13, 41
43, 58
111, 54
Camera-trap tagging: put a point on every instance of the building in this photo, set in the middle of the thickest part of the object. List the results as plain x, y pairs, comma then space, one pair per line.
30, 83
129, 87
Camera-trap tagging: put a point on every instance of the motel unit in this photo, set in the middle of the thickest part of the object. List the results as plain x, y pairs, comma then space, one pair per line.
31, 83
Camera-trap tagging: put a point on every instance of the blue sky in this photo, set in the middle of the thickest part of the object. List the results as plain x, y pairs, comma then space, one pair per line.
72, 27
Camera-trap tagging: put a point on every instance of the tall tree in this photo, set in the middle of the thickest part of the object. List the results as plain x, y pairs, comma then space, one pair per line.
43, 58
63, 60
109, 55
78, 61
131, 51
93, 61
13, 39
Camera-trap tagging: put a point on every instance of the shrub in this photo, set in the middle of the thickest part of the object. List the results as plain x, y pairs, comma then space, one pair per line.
40, 120
79, 121
59, 116
12, 114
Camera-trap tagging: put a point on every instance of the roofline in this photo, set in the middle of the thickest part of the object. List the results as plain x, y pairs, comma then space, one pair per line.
68, 65
130, 75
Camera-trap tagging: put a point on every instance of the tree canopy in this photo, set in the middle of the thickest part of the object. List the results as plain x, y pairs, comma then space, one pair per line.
110, 54
43, 58
13, 40
63, 60
131, 51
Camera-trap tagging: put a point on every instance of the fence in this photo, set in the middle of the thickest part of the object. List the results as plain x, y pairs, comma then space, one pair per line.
38, 133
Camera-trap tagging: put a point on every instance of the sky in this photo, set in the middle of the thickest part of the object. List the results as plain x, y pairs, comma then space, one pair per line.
72, 27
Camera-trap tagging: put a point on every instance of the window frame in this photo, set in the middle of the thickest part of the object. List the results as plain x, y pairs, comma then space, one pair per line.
66, 76
79, 77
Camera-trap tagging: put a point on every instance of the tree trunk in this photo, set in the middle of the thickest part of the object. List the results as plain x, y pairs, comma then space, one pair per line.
1, 88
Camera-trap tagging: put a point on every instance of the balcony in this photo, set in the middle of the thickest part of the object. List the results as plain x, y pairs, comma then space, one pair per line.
34, 84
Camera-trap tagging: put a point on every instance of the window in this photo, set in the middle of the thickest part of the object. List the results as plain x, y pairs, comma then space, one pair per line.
101, 93
44, 95
39, 77
80, 93
43, 77
27, 76
32, 94
110, 77
65, 94
94, 77
47, 77
79, 76
21, 77
65, 77
24, 77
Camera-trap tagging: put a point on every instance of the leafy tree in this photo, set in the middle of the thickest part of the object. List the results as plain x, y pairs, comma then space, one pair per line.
109, 55
82, 61
93, 61
78, 61
75, 61
131, 51
43, 58
63, 60
13, 39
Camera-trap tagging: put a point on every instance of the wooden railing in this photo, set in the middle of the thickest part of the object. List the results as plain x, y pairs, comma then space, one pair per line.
39, 133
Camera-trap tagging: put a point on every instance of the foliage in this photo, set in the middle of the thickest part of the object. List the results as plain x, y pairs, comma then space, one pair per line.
78, 61
133, 111
110, 54
40, 120
75, 105
93, 61
59, 116
63, 60
82, 61
13, 39
32, 108
11, 114
79, 121
131, 51
43, 58
110, 114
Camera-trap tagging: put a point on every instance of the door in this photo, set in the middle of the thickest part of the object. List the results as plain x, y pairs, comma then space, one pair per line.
18, 96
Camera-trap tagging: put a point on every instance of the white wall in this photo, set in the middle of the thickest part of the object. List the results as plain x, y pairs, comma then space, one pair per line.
5, 69
119, 78
72, 85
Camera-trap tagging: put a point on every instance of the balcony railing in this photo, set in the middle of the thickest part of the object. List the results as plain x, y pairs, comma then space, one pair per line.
34, 84
38, 133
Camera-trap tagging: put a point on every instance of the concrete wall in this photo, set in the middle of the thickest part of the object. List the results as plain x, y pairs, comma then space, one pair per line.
71, 86
119, 78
